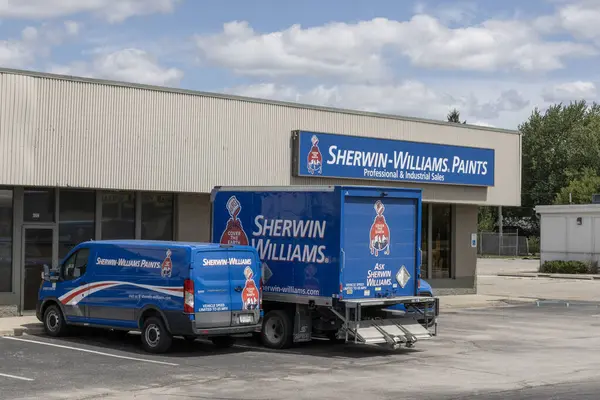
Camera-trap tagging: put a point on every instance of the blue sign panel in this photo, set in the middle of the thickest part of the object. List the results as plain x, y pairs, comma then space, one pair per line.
354, 157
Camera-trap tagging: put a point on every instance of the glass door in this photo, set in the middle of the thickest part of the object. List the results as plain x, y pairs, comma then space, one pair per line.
38, 249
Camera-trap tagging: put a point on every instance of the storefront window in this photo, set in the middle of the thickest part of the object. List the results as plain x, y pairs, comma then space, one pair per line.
39, 205
76, 219
157, 216
6, 236
118, 215
441, 249
424, 231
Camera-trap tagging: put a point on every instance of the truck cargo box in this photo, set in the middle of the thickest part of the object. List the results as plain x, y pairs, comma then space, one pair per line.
326, 242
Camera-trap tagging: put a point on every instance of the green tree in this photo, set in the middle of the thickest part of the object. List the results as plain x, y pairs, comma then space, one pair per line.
454, 116
487, 218
580, 189
557, 146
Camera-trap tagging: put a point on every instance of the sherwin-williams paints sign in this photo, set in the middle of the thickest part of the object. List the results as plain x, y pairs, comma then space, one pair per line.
353, 157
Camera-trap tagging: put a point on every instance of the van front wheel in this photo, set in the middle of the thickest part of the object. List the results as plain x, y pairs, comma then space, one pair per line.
54, 322
155, 337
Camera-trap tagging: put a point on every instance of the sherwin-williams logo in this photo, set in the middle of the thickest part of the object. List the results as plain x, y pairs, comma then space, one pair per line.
234, 232
166, 268
380, 232
315, 158
250, 292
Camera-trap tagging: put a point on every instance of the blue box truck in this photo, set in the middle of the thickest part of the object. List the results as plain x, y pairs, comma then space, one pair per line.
334, 260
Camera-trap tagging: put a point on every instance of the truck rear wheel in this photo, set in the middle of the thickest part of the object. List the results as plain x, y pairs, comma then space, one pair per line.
277, 330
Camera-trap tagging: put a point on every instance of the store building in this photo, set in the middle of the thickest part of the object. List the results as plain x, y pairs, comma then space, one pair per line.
88, 159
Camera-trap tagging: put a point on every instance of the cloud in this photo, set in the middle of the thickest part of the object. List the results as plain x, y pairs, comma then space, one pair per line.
129, 65
570, 91
332, 50
72, 27
357, 51
409, 98
509, 100
448, 13
111, 10
579, 18
34, 43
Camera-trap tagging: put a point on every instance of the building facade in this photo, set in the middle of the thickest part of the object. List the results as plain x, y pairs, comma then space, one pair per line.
87, 159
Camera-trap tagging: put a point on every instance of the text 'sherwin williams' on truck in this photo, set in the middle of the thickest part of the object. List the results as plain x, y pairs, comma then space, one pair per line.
338, 262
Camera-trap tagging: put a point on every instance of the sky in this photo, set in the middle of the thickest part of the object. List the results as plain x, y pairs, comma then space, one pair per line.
494, 61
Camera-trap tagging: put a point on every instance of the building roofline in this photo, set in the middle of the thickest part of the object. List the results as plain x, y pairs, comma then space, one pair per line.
567, 208
223, 96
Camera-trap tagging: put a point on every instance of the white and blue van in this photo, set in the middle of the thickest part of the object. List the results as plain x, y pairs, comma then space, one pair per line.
162, 289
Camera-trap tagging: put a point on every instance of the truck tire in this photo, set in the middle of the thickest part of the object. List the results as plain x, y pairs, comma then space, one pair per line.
277, 330
54, 322
155, 336
223, 342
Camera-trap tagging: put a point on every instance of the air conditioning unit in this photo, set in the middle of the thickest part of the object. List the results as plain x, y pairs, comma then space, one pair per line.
596, 199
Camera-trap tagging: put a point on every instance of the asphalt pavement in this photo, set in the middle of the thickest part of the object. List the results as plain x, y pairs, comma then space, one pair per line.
520, 352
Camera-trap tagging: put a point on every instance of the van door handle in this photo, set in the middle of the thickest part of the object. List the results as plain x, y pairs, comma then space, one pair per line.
238, 289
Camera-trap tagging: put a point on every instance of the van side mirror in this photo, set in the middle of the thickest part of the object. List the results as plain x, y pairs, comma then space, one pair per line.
46, 273
50, 275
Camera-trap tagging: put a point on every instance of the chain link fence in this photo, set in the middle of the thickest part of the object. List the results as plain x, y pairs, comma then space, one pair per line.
506, 244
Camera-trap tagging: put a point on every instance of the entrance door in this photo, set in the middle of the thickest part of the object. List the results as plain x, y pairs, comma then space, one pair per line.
38, 249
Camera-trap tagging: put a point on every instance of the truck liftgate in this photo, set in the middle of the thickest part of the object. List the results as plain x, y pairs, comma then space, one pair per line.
360, 326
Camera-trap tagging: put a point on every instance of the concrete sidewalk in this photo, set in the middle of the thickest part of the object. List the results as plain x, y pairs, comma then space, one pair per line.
586, 277
17, 326
457, 302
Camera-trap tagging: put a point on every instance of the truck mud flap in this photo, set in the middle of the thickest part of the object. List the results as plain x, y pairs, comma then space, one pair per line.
393, 332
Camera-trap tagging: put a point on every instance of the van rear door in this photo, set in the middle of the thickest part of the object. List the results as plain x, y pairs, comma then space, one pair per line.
226, 291
212, 292
244, 272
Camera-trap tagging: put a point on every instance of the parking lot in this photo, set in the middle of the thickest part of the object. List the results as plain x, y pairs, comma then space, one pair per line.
515, 352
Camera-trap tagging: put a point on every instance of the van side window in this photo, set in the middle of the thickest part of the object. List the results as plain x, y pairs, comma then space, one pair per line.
75, 265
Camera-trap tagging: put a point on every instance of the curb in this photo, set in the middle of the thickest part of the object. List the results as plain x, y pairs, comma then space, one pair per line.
551, 276
20, 331
503, 302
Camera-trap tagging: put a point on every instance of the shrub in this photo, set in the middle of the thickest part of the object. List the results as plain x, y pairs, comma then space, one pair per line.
533, 243
568, 267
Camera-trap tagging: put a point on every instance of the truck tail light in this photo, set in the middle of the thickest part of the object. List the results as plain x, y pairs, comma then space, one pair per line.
419, 281
188, 296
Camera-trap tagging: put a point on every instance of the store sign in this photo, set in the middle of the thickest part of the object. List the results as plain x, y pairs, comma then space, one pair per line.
353, 157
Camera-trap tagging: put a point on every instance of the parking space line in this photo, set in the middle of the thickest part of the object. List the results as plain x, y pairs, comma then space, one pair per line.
15, 377
89, 351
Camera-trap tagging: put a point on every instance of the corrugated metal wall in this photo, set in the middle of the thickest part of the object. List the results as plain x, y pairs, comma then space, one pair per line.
58, 132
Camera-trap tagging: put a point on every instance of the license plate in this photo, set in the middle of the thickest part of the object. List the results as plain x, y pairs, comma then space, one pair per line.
246, 319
